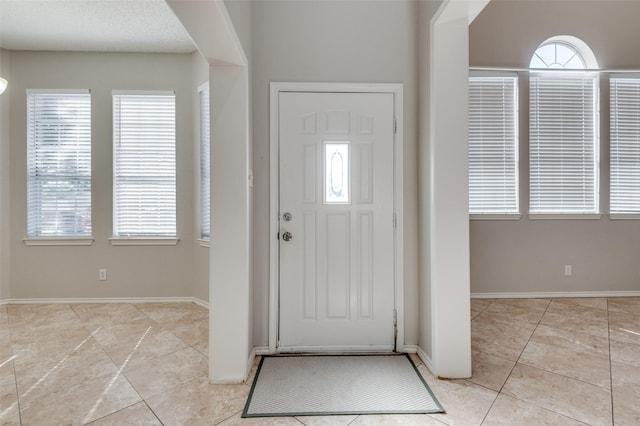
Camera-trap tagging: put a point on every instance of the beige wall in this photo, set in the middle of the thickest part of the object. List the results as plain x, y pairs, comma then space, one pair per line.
4, 176
200, 75
327, 41
72, 272
529, 255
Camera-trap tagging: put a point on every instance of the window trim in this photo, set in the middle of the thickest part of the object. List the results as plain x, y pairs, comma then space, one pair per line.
628, 212
58, 239
120, 240
495, 216
624, 216
505, 214
203, 237
564, 216
144, 241
596, 143
71, 241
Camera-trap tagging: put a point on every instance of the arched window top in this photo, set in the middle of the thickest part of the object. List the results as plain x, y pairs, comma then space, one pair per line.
563, 52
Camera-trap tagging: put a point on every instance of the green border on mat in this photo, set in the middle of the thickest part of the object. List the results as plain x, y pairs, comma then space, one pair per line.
338, 413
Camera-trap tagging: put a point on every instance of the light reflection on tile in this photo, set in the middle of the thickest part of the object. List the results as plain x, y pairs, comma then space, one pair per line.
558, 353
490, 371
463, 401
499, 337
136, 341
8, 394
572, 398
508, 411
151, 377
594, 325
625, 353
96, 314
199, 403
624, 327
81, 403
84, 363
169, 365
137, 414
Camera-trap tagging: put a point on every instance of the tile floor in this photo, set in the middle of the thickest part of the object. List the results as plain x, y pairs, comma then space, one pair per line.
535, 362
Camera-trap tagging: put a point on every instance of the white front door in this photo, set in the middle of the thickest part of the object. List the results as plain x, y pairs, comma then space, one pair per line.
336, 205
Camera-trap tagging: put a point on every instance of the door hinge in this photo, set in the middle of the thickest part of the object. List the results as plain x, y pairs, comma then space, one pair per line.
395, 317
278, 236
395, 126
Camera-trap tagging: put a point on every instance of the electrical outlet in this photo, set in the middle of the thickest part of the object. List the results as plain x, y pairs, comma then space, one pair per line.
102, 274
568, 270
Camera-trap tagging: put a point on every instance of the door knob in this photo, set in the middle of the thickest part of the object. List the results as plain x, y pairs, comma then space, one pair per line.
287, 236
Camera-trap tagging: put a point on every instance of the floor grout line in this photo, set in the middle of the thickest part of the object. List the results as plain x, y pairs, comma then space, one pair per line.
613, 414
516, 363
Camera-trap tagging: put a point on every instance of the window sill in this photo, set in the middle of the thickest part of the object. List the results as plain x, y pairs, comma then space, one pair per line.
204, 243
624, 216
494, 216
565, 216
146, 241
58, 241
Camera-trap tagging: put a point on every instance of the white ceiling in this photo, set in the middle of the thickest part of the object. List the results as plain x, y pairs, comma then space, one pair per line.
92, 25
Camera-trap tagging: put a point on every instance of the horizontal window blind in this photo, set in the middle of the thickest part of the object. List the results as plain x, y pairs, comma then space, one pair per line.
205, 172
493, 144
563, 156
144, 140
625, 144
58, 164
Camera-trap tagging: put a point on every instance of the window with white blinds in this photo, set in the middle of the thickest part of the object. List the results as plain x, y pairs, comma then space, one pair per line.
493, 144
563, 142
625, 144
144, 164
58, 163
205, 168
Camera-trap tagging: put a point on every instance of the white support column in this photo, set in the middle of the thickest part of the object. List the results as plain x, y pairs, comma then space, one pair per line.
448, 191
229, 274
212, 31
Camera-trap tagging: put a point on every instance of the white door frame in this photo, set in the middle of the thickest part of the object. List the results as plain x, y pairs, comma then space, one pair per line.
274, 226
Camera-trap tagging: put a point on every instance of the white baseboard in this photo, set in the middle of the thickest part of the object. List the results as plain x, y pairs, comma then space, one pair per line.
410, 349
262, 350
200, 302
415, 349
72, 301
554, 294
426, 359
252, 357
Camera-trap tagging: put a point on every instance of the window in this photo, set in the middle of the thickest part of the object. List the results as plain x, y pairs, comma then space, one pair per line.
493, 144
58, 163
336, 172
625, 144
205, 164
563, 132
144, 161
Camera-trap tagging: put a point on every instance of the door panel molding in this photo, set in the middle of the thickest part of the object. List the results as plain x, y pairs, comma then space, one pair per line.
275, 89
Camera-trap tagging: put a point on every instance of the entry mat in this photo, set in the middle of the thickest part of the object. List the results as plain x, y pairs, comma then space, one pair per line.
322, 385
